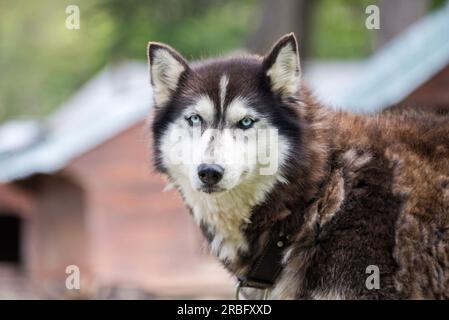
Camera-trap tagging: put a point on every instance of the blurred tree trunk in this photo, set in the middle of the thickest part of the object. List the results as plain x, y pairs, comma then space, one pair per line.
279, 18
397, 15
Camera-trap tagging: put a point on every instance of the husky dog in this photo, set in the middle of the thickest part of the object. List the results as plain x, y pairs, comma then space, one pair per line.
348, 207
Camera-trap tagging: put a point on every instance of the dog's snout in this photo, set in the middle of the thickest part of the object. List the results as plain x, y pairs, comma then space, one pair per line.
210, 174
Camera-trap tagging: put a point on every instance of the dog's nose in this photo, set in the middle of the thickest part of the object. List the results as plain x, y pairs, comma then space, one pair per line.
210, 174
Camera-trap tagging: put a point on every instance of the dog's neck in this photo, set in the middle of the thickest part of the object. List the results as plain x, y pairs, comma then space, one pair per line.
224, 217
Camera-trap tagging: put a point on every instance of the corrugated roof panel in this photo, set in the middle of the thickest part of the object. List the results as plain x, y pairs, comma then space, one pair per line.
111, 102
401, 66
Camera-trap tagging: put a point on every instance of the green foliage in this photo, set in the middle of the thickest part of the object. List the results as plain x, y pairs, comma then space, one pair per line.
42, 62
339, 30
437, 4
195, 27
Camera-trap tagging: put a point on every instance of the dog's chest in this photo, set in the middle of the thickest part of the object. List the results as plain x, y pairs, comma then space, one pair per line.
223, 221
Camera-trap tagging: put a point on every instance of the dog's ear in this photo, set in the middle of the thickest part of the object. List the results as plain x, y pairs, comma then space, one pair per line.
166, 68
281, 66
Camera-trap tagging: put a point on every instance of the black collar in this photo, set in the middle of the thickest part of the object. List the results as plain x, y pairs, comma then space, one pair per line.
266, 269
268, 266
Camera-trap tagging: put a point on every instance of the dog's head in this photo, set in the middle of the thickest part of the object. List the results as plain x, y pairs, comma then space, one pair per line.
223, 124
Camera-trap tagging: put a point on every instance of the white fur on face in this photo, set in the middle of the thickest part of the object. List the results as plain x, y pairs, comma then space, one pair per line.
222, 213
165, 72
238, 109
203, 107
224, 80
233, 149
285, 72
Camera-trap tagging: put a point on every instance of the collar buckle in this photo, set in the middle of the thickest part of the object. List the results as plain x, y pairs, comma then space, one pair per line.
240, 285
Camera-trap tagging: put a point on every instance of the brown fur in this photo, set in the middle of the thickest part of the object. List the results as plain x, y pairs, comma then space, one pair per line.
361, 191
377, 193
394, 213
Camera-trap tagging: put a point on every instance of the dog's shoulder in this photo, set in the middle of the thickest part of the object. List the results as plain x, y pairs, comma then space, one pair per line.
396, 168
387, 196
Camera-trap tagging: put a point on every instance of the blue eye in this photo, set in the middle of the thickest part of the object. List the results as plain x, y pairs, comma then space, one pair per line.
194, 120
246, 123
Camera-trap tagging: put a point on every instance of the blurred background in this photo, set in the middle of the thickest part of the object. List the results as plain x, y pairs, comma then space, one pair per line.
76, 182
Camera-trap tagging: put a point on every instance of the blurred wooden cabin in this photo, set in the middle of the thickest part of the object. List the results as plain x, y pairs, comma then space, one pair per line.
79, 190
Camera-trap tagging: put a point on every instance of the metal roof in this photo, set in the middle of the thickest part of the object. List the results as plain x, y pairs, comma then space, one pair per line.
401, 66
115, 99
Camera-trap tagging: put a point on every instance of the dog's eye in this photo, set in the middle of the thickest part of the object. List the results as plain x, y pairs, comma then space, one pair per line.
194, 120
246, 123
